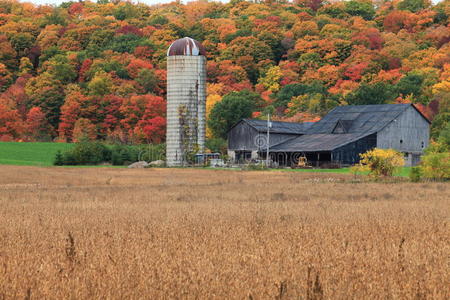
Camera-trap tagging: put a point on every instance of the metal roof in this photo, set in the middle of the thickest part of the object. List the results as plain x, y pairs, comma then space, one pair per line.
280, 127
316, 142
344, 125
186, 46
359, 119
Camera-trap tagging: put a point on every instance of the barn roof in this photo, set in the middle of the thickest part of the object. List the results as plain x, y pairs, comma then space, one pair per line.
344, 125
359, 119
316, 142
279, 127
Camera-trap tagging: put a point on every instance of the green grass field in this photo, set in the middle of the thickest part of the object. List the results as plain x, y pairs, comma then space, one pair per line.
30, 154
43, 154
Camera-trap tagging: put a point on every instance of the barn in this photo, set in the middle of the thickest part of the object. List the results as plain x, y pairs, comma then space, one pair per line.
248, 138
347, 131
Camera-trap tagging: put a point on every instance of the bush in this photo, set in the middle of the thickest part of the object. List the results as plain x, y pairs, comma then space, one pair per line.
435, 163
83, 153
123, 155
381, 162
415, 174
216, 145
436, 166
59, 159
90, 153
152, 152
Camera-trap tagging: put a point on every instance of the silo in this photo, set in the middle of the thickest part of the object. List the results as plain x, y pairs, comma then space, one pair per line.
186, 100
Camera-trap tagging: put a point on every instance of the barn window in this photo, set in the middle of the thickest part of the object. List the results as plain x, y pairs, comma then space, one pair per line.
423, 145
401, 141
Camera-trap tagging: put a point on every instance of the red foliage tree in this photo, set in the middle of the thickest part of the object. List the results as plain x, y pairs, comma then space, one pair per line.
110, 110
37, 127
129, 29
85, 66
355, 72
11, 125
371, 38
395, 20
137, 65
75, 8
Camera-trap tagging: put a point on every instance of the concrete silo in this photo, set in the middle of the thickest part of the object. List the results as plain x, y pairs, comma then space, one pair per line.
186, 100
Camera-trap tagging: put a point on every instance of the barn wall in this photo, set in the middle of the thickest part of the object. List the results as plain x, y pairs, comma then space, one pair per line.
349, 154
241, 137
410, 132
245, 137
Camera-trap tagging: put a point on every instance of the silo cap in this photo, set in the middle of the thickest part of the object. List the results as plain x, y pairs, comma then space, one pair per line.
186, 46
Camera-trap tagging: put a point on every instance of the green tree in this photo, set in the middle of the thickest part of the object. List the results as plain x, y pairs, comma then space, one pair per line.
378, 93
60, 68
439, 123
216, 145
101, 84
58, 16
363, 9
412, 5
410, 84
125, 43
285, 95
126, 11
148, 80
233, 108
22, 42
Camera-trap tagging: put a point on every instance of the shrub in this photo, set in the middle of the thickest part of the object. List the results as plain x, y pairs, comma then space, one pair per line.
84, 153
381, 162
216, 145
152, 152
436, 166
435, 163
90, 153
415, 174
123, 155
59, 159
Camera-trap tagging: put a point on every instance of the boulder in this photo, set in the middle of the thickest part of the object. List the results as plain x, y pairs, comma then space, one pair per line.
138, 165
157, 163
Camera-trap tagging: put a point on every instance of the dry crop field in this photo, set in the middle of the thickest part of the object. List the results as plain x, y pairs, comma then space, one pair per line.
89, 233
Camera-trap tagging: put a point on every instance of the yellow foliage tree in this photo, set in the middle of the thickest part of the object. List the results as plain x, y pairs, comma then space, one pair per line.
271, 80
211, 100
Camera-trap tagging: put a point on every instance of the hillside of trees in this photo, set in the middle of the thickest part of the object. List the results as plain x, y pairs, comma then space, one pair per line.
98, 69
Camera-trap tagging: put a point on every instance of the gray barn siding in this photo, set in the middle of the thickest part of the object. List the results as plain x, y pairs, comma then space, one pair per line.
241, 137
245, 137
411, 128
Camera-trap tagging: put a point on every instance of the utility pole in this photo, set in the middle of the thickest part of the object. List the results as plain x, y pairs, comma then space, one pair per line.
269, 125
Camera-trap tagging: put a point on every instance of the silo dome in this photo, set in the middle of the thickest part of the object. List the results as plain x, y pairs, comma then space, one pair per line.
186, 46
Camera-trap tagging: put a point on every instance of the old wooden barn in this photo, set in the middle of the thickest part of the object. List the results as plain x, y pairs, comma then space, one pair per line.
338, 138
248, 138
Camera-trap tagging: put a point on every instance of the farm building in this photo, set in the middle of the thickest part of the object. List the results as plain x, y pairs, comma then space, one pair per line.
248, 138
343, 134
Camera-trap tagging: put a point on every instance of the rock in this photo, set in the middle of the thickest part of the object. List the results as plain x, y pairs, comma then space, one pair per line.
138, 165
157, 163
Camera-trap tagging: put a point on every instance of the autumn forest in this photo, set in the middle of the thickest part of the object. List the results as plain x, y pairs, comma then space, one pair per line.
99, 69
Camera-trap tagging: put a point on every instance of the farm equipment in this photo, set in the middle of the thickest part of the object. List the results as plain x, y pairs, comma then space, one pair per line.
302, 163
